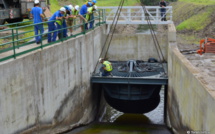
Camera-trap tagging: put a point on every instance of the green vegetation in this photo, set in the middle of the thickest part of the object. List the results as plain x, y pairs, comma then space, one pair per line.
196, 22
201, 2
116, 2
55, 4
193, 15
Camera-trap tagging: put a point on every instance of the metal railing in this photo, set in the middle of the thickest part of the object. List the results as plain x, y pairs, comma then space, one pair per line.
136, 15
15, 42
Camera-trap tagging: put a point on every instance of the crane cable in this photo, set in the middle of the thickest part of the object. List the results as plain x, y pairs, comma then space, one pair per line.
120, 9
155, 40
111, 32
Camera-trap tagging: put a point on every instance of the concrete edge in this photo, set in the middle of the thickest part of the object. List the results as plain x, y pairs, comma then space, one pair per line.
196, 72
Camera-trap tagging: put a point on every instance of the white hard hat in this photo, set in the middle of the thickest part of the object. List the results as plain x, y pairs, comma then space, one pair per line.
36, 1
100, 59
63, 9
77, 7
95, 7
70, 7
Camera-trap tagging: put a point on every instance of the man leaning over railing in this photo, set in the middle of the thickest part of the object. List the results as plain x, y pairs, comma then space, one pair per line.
163, 10
63, 33
83, 12
90, 15
71, 18
57, 17
37, 15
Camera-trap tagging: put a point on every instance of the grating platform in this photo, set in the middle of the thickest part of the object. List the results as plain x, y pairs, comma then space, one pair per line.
139, 73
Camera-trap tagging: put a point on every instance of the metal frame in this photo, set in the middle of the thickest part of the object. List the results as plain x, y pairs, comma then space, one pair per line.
121, 80
136, 15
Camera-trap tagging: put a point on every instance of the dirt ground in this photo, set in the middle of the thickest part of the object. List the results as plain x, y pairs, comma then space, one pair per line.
205, 63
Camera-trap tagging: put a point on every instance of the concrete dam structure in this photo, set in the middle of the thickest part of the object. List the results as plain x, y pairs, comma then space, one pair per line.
50, 88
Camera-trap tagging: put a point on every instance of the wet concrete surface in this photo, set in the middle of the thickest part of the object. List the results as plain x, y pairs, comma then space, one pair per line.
120, 128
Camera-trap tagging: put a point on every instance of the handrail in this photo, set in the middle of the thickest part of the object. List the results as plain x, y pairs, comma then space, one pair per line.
12, 45
136, 15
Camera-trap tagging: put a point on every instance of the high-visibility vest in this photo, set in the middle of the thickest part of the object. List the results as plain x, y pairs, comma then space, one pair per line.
60, 22
108, 66
74, 12
89, 10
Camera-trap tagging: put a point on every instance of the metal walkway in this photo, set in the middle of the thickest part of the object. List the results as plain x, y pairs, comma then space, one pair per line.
136, 15
148, 73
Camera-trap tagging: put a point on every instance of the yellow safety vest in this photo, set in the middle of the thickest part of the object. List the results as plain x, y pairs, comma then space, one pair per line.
60, 21
74, 13
108, 66
89, 10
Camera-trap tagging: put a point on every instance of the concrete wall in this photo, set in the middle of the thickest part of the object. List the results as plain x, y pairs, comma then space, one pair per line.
136, 46
191, 99
50, 86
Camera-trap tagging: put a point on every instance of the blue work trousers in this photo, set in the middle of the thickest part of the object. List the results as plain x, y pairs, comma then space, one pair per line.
62, 33
104, 72
52, 36
91, 21
163, 13
64, 30
38, 29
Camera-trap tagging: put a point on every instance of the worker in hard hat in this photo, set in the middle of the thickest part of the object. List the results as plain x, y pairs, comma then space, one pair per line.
37, 15
83, 13
57, 17
71, 18
94, 2
90, 15
106, 67
63, 33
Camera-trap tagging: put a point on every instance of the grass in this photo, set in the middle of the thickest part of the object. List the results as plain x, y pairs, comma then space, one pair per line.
196, 22
55, 5
116, 2
201, 2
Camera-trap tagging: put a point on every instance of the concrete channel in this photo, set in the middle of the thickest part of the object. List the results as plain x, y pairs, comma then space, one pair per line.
49, 90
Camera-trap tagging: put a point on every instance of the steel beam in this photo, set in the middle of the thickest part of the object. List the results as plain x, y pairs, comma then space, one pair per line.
120, 80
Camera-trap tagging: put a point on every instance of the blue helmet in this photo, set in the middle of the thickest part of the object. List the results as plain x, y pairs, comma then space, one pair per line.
90, 4
94, 1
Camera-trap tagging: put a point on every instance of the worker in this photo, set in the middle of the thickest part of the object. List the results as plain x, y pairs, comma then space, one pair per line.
63, 33
37, 15
73, 15
94, 2
82, 13
90, 15
57, 17
163, 10
106, 67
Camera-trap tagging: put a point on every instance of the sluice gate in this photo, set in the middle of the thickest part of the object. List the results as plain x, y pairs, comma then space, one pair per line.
134, 85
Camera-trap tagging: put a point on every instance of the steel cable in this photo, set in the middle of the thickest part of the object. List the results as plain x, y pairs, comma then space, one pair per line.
112, 29
155, 40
